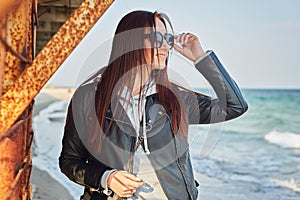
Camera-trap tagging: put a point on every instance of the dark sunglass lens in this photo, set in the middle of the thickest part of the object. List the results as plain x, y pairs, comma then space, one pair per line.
170, 39
159, 39
156, 39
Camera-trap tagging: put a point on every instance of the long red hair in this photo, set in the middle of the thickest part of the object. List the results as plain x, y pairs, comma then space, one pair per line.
127, 57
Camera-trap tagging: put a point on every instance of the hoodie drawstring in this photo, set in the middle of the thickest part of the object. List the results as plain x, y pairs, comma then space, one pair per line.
144, 128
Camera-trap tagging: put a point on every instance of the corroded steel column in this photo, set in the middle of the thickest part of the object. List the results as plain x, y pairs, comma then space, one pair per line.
2, 52
5, 6
17, 42
34, 77
21, 82
15, 53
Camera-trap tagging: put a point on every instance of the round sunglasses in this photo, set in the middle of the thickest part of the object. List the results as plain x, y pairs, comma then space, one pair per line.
156, 39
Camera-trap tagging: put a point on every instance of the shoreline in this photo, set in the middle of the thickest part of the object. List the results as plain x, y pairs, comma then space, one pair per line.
46, 188
43, 185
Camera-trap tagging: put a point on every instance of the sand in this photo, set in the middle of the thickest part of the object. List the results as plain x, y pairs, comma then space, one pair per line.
46, 188
43, 185
58, 93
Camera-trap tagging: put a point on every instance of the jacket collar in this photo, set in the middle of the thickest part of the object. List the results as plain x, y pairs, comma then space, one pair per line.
148, 89
125, 96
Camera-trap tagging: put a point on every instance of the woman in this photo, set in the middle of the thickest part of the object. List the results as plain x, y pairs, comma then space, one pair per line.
127, 126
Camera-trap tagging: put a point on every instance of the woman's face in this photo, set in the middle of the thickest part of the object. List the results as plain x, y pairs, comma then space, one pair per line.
160, 54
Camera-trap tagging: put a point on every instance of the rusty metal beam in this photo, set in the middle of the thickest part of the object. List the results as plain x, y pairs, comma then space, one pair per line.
20, 83
5, 6
2, 53
16, 159
16, 43
31, 81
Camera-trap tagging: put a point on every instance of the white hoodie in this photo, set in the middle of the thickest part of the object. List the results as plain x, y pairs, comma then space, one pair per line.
142, 167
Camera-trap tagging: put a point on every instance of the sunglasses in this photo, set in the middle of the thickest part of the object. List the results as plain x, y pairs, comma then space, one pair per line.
156, 39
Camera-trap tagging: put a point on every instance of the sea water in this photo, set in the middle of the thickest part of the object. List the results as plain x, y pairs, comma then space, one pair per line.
256, 156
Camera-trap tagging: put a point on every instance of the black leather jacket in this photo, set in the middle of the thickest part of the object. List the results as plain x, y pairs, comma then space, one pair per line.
84, 162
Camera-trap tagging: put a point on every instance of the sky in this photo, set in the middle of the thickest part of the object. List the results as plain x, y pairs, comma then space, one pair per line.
257, 41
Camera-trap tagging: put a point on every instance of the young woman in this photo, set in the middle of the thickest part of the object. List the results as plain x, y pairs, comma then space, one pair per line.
127, 126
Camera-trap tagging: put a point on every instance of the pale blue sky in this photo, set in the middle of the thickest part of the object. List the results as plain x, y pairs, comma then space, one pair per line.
258, 41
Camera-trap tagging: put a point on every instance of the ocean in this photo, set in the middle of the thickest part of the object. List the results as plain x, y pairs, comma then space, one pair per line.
256, 156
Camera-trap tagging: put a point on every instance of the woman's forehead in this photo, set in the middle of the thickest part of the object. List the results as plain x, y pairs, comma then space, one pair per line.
159, 27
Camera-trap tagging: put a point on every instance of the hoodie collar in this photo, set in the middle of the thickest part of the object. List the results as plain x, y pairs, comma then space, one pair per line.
126, 95
148, 89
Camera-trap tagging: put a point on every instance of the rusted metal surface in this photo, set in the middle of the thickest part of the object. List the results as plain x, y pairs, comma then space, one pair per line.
34, 77
16, 161
16, 41
2, 52
9, 162
15, 145
21, 83
52, 14
5, 5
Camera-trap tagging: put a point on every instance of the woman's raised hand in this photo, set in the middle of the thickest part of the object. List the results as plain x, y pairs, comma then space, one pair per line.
189, 47
123, 183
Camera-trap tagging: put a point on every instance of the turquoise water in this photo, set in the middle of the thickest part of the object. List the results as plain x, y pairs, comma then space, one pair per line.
257, 155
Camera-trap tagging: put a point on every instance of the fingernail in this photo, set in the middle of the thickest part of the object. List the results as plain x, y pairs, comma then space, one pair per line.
139, 180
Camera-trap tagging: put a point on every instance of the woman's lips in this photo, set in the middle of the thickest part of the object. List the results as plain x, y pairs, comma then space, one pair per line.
162, 55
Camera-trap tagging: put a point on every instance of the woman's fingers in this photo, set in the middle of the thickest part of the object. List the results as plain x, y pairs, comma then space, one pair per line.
129, 180
178, 48
180, 38
127, 193
185, 38
189, 47
123, 183
192, 38
130, 176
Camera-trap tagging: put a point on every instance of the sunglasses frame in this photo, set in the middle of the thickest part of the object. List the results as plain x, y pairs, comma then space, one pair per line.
164, 37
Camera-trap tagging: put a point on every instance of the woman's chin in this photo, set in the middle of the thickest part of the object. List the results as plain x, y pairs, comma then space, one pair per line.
158, 66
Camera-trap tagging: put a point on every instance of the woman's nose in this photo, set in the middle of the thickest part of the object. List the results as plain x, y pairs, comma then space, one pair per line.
165, 45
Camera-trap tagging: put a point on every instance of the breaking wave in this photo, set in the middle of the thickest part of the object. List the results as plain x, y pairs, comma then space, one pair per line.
284, 139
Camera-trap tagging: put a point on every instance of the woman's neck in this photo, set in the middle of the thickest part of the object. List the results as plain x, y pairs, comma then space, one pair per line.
140, 81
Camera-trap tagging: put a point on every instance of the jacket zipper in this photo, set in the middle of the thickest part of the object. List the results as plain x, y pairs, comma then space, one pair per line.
178, 162
130, 162
134, 147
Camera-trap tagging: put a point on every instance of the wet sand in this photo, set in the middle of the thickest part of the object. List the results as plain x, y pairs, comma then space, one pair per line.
46, 188
43, 185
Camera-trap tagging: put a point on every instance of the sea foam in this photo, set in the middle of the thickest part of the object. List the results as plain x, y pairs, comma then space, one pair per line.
284, 139
291, 184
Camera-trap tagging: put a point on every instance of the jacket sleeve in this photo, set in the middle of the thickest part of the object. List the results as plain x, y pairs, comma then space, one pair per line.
229, 103
74, 158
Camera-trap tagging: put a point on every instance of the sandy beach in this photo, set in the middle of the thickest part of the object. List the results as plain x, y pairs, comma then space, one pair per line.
43, 185
46, 188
